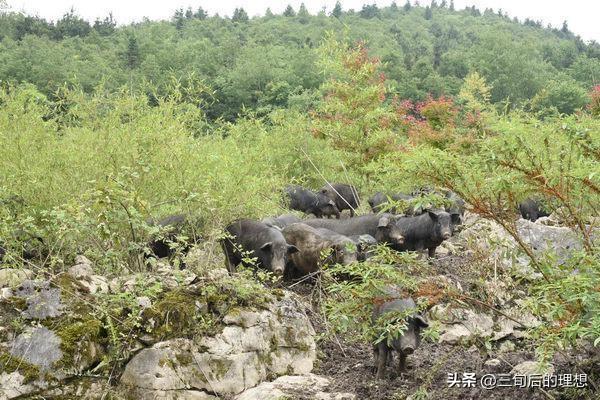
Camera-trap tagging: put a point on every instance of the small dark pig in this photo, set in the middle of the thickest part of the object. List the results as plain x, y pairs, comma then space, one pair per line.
171, 227
344, 196
383, 227
262, 241
311, 244
364, 246
532, 210
379, 201
408, 341
309, 202
425, 231
282, 221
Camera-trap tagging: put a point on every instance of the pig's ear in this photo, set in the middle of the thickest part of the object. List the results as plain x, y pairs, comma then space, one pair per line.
383, 222
291, 249
267, 246
421, 321
432, 214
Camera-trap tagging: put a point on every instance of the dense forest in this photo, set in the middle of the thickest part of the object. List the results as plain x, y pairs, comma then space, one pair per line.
105, 130
265, 63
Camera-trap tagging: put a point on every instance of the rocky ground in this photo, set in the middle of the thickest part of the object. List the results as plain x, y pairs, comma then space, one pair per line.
206, 335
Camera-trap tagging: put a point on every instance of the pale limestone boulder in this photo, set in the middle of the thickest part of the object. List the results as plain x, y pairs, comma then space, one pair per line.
253, 345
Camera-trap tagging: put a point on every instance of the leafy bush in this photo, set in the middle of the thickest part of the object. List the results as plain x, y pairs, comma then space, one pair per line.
96, 173
564, 96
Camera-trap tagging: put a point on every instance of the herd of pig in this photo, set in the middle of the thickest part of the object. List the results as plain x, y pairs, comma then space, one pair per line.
292, 247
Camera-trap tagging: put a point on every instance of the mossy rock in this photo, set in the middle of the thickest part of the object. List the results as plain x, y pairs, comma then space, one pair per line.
80, 343
174, 315
10, 364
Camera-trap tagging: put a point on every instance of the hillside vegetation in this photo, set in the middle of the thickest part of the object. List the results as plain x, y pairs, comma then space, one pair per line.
104, 128
268, 62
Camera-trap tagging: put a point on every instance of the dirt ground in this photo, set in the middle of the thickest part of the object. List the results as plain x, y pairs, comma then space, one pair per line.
351, 369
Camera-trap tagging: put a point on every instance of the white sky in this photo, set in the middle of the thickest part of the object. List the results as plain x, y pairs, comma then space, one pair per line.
582, 15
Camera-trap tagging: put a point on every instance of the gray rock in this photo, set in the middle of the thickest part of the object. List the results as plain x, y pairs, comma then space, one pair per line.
38, 346
6, 293
504, 251
84, 388
81, 259
454, 334
519, 321
494, 362
83, 268
13, 385
41, 303
252, 346
144, 302
461, 324
308, 387
183, 394
532, 368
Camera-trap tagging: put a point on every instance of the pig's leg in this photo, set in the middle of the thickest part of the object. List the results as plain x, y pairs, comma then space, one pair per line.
402, 362
381, 360
431, 252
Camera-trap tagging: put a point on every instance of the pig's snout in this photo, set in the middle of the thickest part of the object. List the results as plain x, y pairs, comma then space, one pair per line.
278, 270
408, 350
446, 235
398, 239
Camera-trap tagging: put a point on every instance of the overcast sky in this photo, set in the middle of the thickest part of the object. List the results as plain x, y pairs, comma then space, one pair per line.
582, 15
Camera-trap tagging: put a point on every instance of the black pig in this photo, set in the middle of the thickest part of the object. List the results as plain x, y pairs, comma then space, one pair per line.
425, 231
344, 196
264, 242
379, 201
171, 227
304, 200
532, 210
365, 245
408, 341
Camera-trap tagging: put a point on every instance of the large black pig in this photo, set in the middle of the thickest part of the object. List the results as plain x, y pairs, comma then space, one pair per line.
344, 196
178, 233
262, 241
406, 343
425, 231
365, 246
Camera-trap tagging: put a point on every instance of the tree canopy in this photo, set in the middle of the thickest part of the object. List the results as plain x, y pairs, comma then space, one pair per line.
266, 62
